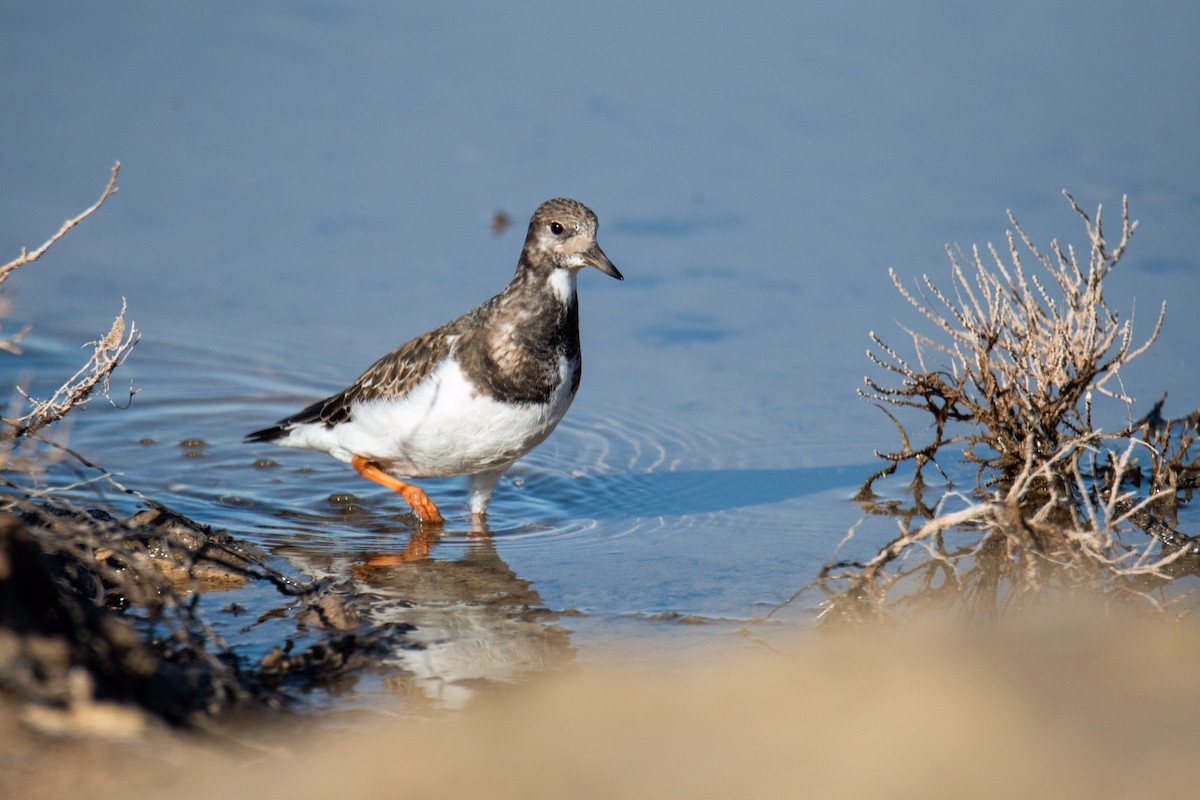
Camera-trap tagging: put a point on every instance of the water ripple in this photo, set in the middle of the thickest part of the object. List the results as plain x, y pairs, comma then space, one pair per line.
621, 512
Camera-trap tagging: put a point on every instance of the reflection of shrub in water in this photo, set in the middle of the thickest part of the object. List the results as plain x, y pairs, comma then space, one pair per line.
1017, 355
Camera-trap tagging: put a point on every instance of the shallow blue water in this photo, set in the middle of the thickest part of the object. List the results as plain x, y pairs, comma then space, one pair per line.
306, 185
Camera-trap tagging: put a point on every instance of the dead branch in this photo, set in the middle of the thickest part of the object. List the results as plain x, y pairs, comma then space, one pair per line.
28, 257
9, 343
1023, 339
108, 353
1020, 355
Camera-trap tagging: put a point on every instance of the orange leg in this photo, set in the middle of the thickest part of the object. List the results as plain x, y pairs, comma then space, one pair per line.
415, 495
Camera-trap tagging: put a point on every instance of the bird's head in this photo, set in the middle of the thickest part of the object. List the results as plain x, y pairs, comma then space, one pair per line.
562, 235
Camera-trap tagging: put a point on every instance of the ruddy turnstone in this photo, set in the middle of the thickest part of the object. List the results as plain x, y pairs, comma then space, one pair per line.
478, 393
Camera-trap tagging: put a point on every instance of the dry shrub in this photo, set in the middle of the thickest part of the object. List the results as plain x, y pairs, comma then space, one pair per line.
1022, 346
108, 352
1022, 353
96, 610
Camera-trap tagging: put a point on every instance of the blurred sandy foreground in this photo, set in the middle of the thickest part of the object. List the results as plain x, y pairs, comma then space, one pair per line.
1078, 706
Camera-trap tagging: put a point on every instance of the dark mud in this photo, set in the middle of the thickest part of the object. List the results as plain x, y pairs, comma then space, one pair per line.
98, 610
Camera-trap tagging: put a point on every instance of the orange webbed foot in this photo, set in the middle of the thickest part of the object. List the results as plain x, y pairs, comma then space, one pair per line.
421, 504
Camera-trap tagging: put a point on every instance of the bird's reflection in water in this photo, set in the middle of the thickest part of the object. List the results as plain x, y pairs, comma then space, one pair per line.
469, 621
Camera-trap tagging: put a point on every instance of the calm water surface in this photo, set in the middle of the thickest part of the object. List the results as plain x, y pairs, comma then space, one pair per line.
304, 186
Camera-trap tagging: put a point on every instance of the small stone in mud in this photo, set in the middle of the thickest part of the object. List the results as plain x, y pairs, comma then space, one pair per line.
193, 556
329, 612
327, 662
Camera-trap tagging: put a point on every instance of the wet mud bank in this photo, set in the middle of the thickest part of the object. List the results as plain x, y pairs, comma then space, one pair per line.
104, 613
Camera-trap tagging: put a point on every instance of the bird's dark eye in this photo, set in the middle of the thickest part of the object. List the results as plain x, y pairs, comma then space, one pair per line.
556, 228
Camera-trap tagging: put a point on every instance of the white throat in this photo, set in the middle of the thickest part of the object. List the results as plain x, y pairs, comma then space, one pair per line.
562, 283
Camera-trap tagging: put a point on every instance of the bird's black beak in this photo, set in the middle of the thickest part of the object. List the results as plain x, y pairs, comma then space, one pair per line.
596, 258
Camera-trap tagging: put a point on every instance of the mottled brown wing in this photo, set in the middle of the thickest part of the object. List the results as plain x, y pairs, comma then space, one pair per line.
394, 375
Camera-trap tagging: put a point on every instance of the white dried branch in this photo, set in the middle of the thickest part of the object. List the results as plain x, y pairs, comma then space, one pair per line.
28, 257
9, 343
108, 353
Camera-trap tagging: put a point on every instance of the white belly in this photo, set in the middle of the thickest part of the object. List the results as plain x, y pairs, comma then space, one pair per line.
442, 427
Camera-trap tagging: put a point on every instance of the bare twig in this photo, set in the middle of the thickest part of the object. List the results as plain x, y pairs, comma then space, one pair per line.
27, 257
108, 353
1021, 357
9, 343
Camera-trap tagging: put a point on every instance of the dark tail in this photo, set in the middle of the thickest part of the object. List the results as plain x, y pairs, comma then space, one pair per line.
266, 434
330, 411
